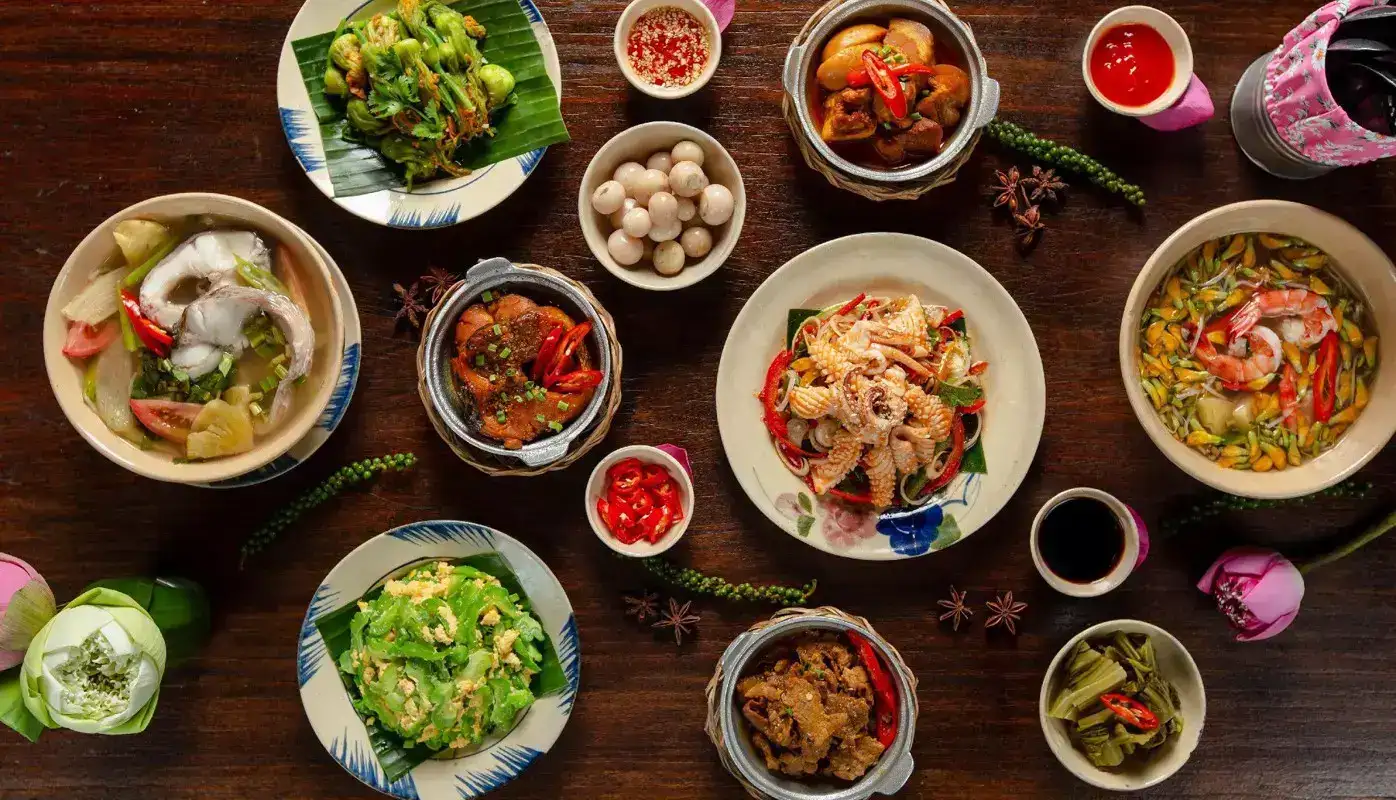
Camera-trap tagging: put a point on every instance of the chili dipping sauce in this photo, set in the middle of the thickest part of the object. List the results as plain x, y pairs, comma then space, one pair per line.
1132, 65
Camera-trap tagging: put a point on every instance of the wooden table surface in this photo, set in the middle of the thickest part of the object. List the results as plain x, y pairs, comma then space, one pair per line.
105, 104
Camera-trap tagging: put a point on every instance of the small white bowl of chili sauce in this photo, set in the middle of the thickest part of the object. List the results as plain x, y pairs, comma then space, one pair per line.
639, 501
1137, 61
667, 48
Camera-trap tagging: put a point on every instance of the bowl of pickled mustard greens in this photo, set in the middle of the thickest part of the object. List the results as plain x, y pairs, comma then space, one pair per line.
1251, 347
1122, 705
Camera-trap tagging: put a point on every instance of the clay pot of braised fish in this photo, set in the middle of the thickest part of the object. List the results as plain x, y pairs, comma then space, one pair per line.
890, 90
517, 362
817, 707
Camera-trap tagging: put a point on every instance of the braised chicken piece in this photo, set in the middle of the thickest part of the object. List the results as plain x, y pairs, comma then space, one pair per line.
811, 711
496, 346
847, 116
948, 98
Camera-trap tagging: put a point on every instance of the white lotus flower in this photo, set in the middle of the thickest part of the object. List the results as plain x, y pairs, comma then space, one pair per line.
96, 666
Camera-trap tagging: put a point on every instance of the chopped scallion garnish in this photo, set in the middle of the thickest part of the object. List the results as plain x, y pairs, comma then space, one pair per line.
511, 372
255, 409
556, 426
494, 378
501, 417
225, 365
562, 405
280, 359
498, 330
490, 347
487, 297
281, 371
540, 418
505, 353
479, 361
518, 399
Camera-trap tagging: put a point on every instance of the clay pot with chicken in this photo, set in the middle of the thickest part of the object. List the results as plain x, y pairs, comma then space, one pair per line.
884, 99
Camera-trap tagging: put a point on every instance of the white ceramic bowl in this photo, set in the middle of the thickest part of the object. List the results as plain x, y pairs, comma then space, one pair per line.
596, 488
887, 264
66, 375
637, 144
701, 13
1365, 267
1176, 666
1172, 33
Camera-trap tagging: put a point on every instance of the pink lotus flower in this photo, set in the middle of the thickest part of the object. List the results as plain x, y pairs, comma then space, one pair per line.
1258, 591
26, 603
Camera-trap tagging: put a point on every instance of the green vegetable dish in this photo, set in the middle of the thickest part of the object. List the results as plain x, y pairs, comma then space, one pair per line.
415, 86
443, 657
1115, 703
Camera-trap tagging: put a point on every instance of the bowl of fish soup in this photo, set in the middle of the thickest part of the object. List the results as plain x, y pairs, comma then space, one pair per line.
1364, 420
317, 356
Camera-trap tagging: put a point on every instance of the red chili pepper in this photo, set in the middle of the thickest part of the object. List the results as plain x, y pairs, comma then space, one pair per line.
858, 78
561, 362
150, 334
865, 499
545, 354
978, 367
1326, 378
884, 696
1130, 711
668, 494
952, 318
578, 381
952, 464
975, 407
655, 524
654, 475
625, 475
1289, 397
641, 501
885, 83
851, 304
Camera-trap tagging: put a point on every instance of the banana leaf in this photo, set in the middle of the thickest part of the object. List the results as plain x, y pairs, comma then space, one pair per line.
397, 758
533, 121
178, 605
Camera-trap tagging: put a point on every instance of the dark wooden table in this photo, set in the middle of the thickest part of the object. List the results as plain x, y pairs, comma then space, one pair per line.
106, 103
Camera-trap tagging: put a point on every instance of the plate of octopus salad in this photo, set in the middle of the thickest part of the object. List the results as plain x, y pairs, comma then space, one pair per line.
880, 396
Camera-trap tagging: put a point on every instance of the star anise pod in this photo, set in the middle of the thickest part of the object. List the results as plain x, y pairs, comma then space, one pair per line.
958, 612
1006, 190
1044, 184
412, 309
436, 282
642, 605
680, 618
1005, 612
1030, 225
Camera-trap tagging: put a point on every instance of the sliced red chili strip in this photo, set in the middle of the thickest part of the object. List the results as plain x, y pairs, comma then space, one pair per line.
1130, 711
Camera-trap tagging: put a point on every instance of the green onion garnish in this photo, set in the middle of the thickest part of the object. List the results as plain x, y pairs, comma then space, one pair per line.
540, 418
226, 365
479, 361
255, 409
511, 372
505, 353
518, 399
556, 426
501, 417
498, 330
280, 359
487, 297
562, 405
528, 384
494, 378
490, 347
281, 371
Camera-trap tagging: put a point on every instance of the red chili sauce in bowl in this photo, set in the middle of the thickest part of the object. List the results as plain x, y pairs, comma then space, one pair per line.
1132, 65
668, 47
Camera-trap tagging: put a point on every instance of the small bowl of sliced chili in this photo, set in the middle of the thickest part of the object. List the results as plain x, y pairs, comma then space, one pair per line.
639, 500
667, 48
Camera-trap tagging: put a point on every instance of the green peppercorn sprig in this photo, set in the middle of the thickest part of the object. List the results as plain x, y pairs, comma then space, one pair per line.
1215, 505
351, 475
1059, 155
696, 582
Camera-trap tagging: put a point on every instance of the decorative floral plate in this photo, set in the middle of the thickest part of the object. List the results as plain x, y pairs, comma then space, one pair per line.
884, 264
339, 400
434, 204
327, 703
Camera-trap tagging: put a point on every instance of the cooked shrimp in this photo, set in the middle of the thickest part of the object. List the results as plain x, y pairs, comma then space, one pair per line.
1263, 357
1307, 317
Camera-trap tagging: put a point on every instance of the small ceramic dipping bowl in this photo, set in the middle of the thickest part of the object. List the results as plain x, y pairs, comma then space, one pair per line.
313, 395
454, 409
638, 144
596, 489
1172, 33
730, 731
1175, 666
700, 12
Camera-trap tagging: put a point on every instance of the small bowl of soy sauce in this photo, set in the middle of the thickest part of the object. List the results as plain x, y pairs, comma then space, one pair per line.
1086, 542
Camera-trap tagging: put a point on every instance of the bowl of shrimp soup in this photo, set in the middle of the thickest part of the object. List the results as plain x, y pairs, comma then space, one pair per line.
194, 338
1250, 349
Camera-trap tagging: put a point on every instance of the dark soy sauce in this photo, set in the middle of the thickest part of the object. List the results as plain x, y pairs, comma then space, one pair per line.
1081, 540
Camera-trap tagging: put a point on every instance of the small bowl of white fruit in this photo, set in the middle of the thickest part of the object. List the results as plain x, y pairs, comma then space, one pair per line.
661, 205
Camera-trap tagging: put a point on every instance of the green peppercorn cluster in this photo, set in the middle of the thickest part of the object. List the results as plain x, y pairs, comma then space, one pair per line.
1222, 503
1059, 155
698, 583
351, 475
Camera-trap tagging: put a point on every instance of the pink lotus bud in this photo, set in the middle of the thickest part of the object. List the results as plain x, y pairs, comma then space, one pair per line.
1258, 590
26, 603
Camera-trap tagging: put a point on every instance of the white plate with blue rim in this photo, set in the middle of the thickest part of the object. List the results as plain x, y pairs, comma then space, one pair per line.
338, 725
339, 399
434, 204
884, 264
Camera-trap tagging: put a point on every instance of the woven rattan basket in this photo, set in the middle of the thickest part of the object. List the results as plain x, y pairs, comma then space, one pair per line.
489, 463
898, 756
889, 190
